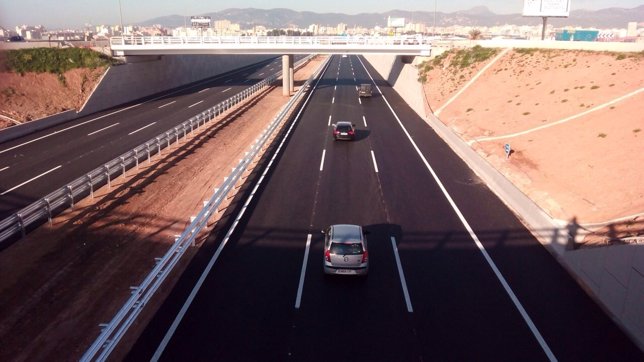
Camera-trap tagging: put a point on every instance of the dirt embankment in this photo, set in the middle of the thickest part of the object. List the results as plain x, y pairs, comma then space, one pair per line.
31, 96
574, 122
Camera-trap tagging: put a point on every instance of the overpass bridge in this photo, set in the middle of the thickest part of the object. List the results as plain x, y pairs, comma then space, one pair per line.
287, 45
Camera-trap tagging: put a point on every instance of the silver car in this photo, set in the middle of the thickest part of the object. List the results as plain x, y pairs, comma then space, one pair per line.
345, 250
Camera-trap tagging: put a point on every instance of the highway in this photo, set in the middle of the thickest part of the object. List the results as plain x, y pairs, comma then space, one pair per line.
454, 275
37, 164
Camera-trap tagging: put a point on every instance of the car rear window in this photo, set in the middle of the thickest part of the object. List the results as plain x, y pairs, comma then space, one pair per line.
344, 128
346, 249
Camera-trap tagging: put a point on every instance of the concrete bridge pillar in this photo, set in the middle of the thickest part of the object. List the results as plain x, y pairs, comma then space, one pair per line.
287, 75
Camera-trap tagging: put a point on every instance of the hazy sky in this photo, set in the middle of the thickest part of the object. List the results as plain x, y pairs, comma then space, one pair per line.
74, 13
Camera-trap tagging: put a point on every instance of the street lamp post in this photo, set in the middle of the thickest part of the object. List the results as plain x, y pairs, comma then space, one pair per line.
434, 31
121, 14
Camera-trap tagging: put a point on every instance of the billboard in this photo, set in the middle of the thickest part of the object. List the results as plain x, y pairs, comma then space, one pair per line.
200, 21
395, 22
550, 8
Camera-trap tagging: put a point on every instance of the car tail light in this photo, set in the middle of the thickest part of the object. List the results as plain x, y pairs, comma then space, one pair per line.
336, 132
351, 132
365, 256
327, 255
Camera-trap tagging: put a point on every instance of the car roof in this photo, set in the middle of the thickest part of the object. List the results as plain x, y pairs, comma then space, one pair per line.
346, 233
343, 123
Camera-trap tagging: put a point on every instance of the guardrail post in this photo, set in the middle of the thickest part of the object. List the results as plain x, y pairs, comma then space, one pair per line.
91, 186
21, 224
149, 160
71, 196
123, 165
159, 146
176, 135
191, 127
136, 157
109, 181
48, 210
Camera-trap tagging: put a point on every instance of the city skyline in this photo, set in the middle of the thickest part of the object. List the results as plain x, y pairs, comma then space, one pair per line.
76, 13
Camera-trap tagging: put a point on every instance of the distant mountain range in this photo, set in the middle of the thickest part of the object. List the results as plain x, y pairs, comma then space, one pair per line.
477, 16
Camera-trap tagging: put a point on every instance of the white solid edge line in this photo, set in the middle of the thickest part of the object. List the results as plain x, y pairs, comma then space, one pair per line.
103, 129
140, 129
300, 286
403, 282
322, 161
504, 283
365, 121
328, 124
195, 290
192, 105
4, 168
167, 104
68, 128
31, 179
373, 157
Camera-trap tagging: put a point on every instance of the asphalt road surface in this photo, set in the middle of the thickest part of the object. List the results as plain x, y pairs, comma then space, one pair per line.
453, 274
35, 165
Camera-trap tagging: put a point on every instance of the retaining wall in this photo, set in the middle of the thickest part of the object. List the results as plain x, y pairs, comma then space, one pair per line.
140, 78
613, 275
144, 76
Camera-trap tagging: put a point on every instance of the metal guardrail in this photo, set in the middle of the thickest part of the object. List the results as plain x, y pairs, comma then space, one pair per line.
67, 195
114, 331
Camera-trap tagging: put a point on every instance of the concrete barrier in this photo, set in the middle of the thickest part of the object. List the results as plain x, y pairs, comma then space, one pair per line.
613, 275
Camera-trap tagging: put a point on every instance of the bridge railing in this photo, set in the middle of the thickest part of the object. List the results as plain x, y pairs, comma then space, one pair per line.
66, 196
273, 40
118, 326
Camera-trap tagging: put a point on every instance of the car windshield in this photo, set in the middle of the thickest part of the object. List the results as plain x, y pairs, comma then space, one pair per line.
346, 248
344, 128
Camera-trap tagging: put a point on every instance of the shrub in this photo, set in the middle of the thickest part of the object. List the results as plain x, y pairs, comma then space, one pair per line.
602, 135
54, 60
594, 87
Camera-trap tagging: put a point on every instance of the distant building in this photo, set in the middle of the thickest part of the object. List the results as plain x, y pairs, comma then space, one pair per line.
341, 29
631, 29
577, 35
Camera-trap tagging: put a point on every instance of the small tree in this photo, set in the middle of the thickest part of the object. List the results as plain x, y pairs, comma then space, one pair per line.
475, 34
